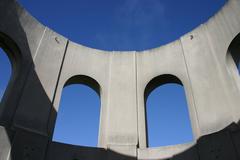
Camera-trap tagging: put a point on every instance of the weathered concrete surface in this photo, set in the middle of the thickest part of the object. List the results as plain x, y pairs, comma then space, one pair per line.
40, 84
44, 61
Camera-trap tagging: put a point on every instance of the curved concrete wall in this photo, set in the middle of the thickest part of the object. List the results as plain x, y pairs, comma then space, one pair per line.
45, 61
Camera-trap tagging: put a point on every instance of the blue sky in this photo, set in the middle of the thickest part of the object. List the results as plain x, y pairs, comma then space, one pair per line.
167, 116
120, 25
5, 71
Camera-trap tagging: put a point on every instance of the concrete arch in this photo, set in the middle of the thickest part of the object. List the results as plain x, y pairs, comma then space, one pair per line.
154, 83
15, 57
158, 81
149, 86
12, 50
82, 79
93, 85
233, 59
234, 48
79, 79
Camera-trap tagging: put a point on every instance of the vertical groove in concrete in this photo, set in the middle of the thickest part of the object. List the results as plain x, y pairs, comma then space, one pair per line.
192, 93
55, 89
39, 44
108, 101
136, 79
136, 85
51, 129
60, 71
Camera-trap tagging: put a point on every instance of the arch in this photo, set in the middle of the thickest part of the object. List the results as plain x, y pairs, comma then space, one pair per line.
233, 59
5, 72
14, 55
12, 51
88, 90
166, 90
15, 58
86, 80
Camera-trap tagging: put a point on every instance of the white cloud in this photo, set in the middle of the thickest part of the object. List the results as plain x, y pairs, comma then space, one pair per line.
137, 12
136, 22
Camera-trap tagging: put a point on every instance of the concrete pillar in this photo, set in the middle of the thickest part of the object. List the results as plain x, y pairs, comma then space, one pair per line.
122, 131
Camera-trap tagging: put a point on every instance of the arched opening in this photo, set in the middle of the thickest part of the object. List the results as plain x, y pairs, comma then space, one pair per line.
11, 63
233, 58
79, 111
167, 117
5, 72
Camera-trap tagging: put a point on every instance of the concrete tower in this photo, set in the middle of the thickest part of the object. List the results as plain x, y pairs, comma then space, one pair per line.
203, 61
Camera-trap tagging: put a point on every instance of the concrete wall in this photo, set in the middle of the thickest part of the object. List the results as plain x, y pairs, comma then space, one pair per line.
44, 61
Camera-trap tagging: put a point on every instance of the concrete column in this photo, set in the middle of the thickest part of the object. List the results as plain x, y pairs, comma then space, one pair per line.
122, 104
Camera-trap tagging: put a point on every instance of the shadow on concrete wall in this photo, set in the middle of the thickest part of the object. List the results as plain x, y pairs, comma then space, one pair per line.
152, 85
222, 145
19, 142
